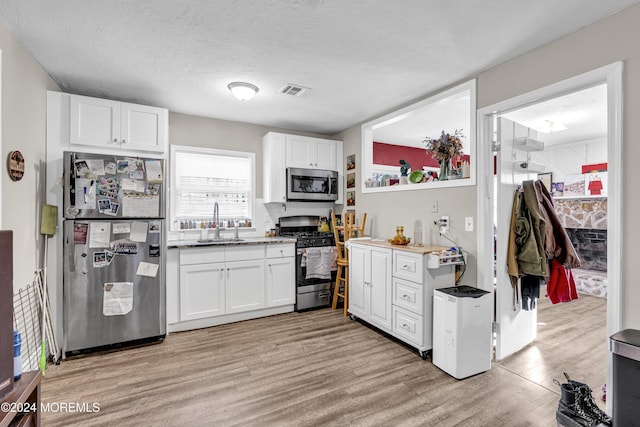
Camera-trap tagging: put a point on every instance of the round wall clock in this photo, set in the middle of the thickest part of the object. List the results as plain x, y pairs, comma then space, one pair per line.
16, 165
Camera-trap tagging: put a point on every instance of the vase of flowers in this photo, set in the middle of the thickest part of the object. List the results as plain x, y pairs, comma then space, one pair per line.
444, 169
444, 148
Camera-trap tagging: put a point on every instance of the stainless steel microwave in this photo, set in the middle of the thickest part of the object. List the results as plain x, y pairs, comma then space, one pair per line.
314, 185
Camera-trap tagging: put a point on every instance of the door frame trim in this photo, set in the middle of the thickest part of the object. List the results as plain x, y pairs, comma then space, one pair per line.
612, 75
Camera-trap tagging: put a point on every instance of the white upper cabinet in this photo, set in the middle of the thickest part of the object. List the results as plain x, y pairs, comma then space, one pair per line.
311, 153
282, 151
120, 125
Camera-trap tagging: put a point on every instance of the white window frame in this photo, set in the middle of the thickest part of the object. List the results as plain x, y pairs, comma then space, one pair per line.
178, 149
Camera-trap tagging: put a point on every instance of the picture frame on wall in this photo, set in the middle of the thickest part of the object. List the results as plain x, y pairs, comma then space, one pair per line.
557, 189
351, 161
351, 180
351, 198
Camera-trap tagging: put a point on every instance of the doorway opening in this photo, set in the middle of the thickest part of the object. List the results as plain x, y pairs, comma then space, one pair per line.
517, 328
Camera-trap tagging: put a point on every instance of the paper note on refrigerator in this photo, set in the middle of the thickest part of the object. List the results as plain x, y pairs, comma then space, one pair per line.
118, 298
154, 171
99, 234
136, 185
121, 228
138, 231
140, 205
147, 269
85, 193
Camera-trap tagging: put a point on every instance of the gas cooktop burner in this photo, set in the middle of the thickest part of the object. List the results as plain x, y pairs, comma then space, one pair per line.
305, 230
306, 234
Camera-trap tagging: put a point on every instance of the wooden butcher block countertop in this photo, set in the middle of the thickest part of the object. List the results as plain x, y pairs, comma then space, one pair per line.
383, 243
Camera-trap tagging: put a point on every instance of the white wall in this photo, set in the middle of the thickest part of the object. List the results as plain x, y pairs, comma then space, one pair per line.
24, 86
568, 159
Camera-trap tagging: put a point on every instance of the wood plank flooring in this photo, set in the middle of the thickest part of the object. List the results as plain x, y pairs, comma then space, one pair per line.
571, 338
304, 369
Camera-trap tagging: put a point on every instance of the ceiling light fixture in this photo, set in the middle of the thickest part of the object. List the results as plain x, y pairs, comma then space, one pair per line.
243, 91
551, 126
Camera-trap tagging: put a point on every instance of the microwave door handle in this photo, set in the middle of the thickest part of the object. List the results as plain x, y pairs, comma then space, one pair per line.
329, 186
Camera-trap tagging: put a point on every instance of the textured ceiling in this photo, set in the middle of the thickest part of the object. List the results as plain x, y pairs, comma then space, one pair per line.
361, 58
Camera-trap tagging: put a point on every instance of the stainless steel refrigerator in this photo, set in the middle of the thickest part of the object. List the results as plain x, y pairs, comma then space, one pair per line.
114, 250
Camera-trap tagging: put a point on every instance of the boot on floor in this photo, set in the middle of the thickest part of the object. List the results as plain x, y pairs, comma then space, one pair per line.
589, 403
571, 408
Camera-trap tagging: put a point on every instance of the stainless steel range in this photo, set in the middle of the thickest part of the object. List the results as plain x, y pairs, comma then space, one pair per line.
313, 288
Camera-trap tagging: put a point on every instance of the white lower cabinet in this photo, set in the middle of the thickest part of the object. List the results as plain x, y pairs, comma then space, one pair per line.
222, 284
370, 284
280, 273
391, 289
244, 282
202, 291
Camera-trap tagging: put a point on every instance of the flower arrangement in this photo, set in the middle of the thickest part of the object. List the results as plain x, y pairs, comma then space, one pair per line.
446, 146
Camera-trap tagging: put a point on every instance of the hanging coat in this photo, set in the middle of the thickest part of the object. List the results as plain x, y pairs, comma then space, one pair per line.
557, 244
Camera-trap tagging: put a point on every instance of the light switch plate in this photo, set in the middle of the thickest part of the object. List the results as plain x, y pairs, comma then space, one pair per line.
468, 223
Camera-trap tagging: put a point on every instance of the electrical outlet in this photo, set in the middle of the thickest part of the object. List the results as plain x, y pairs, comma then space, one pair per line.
434, 206
468, 223
443, 223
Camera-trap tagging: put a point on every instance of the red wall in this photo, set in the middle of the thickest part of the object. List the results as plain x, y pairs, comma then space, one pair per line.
390, 154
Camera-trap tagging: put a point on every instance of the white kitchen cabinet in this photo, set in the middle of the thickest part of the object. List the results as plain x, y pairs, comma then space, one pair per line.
311, 153
280, 271
117, 125
281, 151
202, 284
391, 287
228, 283
202, 291
370, 285
244, 285
413, 285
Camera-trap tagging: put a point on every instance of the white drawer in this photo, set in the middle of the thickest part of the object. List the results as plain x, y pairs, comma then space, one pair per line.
243, 252
408, 325
409, 295
408, 265
201, 255
281, 250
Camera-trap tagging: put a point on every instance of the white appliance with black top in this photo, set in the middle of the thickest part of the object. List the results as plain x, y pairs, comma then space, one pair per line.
462, 330
314, 274
114, 250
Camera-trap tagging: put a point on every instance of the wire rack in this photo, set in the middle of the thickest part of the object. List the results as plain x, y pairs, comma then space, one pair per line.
26, 318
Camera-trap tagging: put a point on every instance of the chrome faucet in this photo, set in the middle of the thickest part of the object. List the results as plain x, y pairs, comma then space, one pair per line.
216, 220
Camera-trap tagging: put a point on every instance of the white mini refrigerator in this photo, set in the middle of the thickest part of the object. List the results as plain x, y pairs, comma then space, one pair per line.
462, 335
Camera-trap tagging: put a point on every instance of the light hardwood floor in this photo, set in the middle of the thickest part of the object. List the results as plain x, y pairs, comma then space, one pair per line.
313, 369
